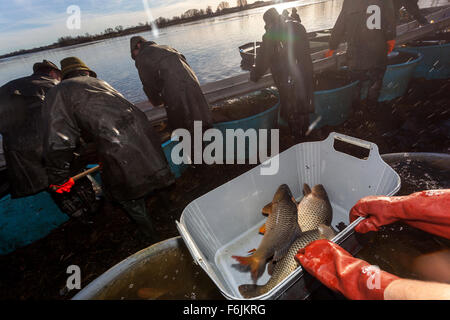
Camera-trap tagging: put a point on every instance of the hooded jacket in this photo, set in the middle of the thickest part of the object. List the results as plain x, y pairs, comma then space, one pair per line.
167, 78
367, 47
128, 149
21, 102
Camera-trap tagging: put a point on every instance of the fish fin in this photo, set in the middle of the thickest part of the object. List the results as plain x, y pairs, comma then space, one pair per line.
279, 254
257, 266
250, 290
319, 192
306, 189
267, 209
262, 230
270, 267
326, 232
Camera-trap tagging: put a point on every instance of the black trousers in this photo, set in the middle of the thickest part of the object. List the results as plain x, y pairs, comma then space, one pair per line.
293, 111
372, 79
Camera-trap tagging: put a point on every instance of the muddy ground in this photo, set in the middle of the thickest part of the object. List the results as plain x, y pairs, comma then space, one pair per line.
417, 122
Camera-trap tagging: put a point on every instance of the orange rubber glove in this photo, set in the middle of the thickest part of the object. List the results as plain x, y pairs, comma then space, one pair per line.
425, 210
65, 187
338, 270
391, 45
329, 53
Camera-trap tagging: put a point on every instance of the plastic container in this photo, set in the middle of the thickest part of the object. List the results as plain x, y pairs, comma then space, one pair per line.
334, 106
436, 58
177, 278
267, 119
25, 220
225, 221
177, 169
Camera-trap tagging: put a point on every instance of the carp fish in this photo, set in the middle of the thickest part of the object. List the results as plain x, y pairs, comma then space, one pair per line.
281, 231
283, 268
314, 209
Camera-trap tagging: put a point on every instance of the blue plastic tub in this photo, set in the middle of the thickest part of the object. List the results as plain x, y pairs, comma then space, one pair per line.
397, 77
267, 119
167, 147
333, 106
26, 220
435, 63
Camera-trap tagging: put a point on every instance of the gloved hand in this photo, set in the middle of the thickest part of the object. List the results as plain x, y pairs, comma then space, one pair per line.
390, 45
426, 210
338, 270
329, 53
65, 187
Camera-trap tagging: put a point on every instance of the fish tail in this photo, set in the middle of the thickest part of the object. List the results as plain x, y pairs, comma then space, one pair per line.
257, 266
250, 290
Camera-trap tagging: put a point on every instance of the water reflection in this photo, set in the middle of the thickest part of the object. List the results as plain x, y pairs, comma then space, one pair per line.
210, 46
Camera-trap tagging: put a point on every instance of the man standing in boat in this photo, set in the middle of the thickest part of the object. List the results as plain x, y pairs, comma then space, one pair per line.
84, 108
285, 49
369, 28
168, 79
412, 7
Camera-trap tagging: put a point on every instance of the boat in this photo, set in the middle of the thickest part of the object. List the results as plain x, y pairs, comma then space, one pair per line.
318, 41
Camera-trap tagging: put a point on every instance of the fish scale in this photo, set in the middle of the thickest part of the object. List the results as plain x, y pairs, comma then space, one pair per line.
284, 220
314, 209
285, 266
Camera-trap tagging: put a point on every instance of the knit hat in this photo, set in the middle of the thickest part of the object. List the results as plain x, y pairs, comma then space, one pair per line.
73, 64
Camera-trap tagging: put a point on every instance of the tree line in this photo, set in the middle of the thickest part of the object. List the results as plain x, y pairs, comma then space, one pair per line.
188, 16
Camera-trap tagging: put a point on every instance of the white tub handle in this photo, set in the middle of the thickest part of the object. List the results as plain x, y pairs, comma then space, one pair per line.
373, 149
195, 253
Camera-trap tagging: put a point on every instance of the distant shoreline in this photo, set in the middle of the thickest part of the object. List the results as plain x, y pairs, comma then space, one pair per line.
163, 23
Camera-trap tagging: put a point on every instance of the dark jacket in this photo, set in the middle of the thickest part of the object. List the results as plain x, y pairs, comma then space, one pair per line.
21, 102
133, 163
285, 49
366, 48
167, 78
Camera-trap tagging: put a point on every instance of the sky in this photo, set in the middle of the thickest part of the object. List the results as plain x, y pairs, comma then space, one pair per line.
25, 24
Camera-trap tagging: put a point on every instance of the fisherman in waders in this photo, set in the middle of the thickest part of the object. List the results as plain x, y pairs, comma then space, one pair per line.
84, 108
285, 50
168, 79
369, 28
21, 102
412, 7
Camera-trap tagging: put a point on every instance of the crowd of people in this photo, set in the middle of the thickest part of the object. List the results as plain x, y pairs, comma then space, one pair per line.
58, 120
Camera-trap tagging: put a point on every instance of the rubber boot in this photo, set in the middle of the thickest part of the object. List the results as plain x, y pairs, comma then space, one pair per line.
137, 210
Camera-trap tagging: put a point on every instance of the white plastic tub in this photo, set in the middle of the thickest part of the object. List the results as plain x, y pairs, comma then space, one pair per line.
225, 221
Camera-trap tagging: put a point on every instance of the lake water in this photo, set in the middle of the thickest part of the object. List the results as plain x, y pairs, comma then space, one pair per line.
210, 46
